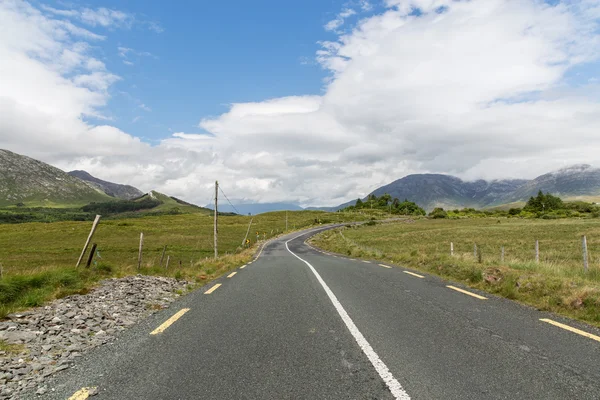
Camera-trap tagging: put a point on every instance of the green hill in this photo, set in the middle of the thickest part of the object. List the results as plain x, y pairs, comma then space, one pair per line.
32, 183
169, 203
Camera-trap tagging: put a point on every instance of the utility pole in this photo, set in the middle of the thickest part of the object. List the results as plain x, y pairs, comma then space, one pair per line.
216, 212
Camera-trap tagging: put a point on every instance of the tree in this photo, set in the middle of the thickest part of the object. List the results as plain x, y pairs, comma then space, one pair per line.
544, 203
359, 203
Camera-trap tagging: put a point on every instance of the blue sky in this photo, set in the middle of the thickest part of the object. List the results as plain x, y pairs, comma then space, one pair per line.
208, 55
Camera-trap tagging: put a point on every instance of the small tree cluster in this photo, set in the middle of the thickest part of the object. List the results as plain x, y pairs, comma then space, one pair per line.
544, 203
387, 203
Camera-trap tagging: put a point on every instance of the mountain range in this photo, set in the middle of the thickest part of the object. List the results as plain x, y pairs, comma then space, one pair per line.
577, 182
29, 182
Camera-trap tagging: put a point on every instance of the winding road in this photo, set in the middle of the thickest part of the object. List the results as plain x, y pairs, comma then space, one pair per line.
298, 323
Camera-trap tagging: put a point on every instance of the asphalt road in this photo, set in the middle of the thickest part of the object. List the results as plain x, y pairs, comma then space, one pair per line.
300, 324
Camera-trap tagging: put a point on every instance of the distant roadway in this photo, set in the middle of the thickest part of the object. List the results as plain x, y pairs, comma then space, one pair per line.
300, 324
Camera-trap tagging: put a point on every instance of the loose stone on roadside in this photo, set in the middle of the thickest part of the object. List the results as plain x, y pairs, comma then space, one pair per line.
54, 336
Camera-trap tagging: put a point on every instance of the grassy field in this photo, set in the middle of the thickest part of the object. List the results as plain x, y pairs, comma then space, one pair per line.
38, 259
557, 283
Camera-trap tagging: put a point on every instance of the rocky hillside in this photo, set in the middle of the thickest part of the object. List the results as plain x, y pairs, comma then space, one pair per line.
124, 192
436, 190
574, 181
35, 183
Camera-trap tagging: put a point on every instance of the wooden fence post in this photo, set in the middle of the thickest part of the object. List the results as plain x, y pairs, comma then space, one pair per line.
502, 254
168, 259
91, 257
140, 251
163, 255
451, 248
537, 251
585, 253
89, 239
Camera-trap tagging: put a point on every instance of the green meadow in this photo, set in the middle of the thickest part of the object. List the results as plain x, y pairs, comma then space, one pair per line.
557, 283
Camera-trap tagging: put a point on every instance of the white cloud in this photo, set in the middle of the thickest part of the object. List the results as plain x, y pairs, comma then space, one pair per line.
102, 16
338, 21
474, 88
365, 5
106, 17
126, 52
145, 107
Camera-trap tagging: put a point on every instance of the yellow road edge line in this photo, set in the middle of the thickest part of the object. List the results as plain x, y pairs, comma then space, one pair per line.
82, 393
384, 266
170, 321
467, 293
231, 274
413, 274
570, 328
243, 266
212, 289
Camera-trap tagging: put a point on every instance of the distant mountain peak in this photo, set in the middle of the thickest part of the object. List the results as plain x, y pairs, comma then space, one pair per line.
124, 192
576, 168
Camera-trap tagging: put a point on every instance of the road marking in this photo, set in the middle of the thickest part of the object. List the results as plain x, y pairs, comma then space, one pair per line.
231, 274
212, 289
243, 266
261, 250
383, 371
365, 261
170, 321
82, 393
570, 328
384, 266
467, 293
413, 274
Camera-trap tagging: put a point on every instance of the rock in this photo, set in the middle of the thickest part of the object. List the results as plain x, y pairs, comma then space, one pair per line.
56, 320
41, 390
36, 366
17, 337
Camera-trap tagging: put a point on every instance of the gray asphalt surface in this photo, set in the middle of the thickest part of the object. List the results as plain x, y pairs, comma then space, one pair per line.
271, 332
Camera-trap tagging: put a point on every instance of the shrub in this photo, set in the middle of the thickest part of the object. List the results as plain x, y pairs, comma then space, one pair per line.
438, 213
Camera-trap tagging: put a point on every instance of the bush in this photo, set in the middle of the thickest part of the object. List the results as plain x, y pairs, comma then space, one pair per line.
438, 213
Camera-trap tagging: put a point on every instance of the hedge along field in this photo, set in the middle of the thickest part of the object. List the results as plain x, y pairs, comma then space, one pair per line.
557, 283
38, 259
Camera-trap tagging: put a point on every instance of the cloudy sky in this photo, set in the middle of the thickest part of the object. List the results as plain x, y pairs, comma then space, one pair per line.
316, 102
